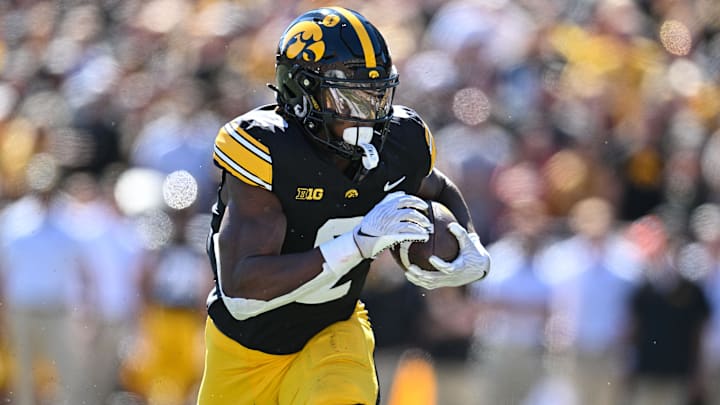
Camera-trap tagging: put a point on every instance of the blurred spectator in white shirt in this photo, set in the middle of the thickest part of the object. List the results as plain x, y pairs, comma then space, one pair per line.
592, 274
42, 275
509, 341
112, 250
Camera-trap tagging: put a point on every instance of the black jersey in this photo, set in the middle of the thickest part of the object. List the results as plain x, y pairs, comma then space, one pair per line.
262, 149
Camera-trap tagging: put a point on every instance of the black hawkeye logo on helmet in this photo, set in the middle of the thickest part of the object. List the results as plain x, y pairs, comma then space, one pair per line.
305, 39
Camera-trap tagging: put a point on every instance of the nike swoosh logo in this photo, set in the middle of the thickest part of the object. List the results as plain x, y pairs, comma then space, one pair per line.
389, 186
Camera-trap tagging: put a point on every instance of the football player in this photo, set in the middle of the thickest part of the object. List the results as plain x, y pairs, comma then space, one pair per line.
313, 188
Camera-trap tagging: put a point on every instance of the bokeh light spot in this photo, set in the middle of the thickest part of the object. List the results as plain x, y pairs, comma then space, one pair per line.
685, 77
566, 171
155, 228
471, 106
675, 37
693, 261
42, 172
710, 164
705, 222
180, 190
138, 190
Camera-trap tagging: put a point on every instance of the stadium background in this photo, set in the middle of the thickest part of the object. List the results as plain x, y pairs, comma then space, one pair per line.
563, 121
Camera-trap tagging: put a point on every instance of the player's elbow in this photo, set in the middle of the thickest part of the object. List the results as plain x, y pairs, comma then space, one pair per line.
243, 308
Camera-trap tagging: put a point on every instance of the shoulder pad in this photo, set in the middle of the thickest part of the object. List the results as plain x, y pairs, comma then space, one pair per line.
403, 114
262, 119
242, 147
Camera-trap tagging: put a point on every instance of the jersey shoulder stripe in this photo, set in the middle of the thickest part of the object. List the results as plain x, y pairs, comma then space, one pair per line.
430, 141
243, 156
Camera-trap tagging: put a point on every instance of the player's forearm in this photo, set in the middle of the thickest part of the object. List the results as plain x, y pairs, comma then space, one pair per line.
439, 187
268, 277
451, 197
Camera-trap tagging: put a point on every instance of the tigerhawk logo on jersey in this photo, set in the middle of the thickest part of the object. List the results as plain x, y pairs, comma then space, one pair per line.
352, 193
309, 194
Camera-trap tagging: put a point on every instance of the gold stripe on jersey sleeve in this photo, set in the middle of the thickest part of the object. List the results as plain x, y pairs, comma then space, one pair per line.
224, 161
220, 159
244, 156
430, 140
362, 34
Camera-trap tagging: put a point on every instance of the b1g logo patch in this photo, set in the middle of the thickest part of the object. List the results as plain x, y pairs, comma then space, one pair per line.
309, 194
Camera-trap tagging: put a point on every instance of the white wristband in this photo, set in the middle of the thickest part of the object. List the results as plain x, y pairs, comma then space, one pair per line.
341, 254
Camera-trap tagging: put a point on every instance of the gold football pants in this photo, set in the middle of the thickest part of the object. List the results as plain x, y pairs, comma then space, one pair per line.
335, 367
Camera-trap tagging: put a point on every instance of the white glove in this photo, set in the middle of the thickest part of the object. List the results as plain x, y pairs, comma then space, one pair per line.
397, 218
472, 264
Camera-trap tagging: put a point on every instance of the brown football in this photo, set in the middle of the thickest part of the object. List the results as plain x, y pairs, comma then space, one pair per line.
442, 243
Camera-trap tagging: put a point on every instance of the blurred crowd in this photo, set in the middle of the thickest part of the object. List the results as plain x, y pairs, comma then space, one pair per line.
584, 133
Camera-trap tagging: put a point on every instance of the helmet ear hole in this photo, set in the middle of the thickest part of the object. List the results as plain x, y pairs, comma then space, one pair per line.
308, 83
290, 93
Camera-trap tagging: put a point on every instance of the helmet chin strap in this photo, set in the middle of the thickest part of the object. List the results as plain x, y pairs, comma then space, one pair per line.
362, 137
370, 157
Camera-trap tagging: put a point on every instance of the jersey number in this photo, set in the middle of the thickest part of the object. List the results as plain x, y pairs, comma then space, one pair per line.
332, 228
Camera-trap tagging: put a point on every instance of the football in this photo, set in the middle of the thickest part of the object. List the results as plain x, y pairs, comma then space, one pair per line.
442, 242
